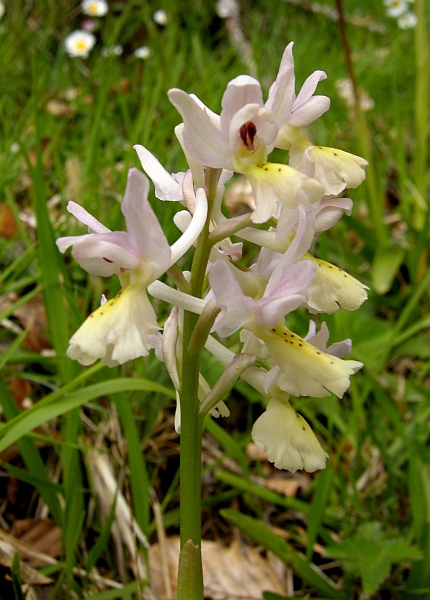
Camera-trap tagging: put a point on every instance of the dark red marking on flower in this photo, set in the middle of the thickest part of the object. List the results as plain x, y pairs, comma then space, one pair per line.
279, 169
107, 260
335, 153
274, 330
300, 344
247, 133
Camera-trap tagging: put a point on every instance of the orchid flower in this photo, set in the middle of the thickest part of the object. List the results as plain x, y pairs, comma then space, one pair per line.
335, 169
240, 140
121, 329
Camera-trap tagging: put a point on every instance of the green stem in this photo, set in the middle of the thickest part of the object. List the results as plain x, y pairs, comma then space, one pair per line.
191, 427
420, 218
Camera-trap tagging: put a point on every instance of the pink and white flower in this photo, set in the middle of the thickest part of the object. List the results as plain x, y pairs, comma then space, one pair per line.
241, 138
122, 328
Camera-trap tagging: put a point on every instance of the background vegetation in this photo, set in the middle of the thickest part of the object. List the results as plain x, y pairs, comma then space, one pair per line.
67, 128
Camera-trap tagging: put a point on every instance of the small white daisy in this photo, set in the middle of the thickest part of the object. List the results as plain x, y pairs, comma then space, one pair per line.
95, 8
79, 43
160, 17
143, 52
395, 8
407, 21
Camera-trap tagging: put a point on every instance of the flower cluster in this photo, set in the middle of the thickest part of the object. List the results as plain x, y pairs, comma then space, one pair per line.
292, 204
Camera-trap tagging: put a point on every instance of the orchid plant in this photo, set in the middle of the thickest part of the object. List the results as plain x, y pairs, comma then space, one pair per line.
222, 295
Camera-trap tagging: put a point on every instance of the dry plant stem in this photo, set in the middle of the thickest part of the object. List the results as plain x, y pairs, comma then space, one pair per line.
191, 428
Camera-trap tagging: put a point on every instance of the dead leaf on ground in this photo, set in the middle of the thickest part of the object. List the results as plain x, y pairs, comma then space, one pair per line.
8, 225
28, 574
42, 535
238, 572
33, 317
288, 485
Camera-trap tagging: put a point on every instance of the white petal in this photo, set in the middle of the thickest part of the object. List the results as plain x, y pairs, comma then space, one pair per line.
306, 371
333, 288
286, 437
188, 238
118, 331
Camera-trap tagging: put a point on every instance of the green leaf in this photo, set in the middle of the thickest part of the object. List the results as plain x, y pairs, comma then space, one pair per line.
49, 408
371, 555
385, 266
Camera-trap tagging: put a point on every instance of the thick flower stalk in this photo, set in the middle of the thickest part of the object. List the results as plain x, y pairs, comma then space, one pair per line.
223, 293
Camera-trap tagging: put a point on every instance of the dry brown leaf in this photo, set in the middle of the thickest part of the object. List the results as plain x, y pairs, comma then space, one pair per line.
28, 574
33, 317
20, 389
288, 485
42, 535
238, 572
8, 225
254, 452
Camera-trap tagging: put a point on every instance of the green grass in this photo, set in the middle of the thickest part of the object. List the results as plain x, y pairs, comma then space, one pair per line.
377, 435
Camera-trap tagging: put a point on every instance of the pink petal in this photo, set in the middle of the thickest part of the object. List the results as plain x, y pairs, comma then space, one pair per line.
236, 308
166, 188
105, 254
202, 138
290, 293
144, 231
240, 91
309, 87
310, 111
281, 96
84, 217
